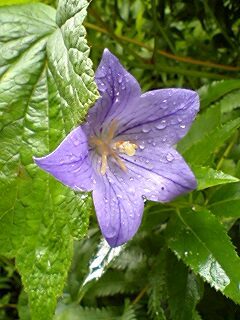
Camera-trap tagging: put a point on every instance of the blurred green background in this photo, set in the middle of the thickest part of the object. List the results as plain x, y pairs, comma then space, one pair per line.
163, 43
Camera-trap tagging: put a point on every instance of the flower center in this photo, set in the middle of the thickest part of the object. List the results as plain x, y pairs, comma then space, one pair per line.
105, 147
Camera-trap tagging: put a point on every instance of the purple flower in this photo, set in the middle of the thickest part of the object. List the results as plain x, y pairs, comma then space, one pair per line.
124, 152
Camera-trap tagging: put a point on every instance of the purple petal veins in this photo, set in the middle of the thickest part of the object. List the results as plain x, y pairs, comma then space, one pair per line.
124, 150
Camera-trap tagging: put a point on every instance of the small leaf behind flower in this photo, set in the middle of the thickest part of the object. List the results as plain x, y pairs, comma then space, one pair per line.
208, 177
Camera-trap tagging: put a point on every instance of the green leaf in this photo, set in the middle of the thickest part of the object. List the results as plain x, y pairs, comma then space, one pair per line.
208, 177
200, 152
225, 201
11, 2
205, 122
128, 312
184, 290
229, 102
198, 238
214, 91
69, 64
38, 215
157, 291
75, 312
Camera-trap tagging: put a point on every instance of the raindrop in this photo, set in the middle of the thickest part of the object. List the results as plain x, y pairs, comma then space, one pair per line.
183, 126
142, 146
131, 179
179, 119
145, 129
120, 78
165, 101
76, 142
170, 157
154, 144
161, 125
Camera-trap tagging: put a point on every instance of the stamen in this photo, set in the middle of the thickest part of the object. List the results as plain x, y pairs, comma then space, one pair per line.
105, 147
120, 162
126, 147
104, 164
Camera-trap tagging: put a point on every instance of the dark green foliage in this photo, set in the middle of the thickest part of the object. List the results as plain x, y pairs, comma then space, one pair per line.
183, 264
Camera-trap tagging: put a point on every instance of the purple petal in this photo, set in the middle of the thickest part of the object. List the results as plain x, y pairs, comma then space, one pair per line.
164, 116
119, 207
70, 163
159, 174
118, 90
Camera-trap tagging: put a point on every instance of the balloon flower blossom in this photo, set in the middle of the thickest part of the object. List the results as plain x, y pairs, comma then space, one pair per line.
124, 151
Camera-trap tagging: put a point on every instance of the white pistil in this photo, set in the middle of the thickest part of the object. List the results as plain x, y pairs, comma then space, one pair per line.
106, 148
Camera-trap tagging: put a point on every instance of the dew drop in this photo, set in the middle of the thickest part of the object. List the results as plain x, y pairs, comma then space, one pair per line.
170, 157
165, 101
182, 126
161, 125
76, 142
154, 144
179, 119
131, 179
145, 129
141, 146
120, 78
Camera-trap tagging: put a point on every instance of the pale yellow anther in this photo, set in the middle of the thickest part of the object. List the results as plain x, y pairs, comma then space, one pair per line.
104, 164
126, 147
106, 148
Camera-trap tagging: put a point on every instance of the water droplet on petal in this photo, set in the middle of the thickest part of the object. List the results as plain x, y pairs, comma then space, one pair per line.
179, 119
120, 78
182, 126
141, 146
131, 179
154, 144
161, 125
76, 142
145, 129
165, 101
170, 157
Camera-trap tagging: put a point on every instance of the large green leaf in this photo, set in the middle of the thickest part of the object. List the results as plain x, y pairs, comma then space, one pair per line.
198, 238
69, 64
205, 122
214, 91
208, 177
200, 152
225, 201
184, 290
38, 215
